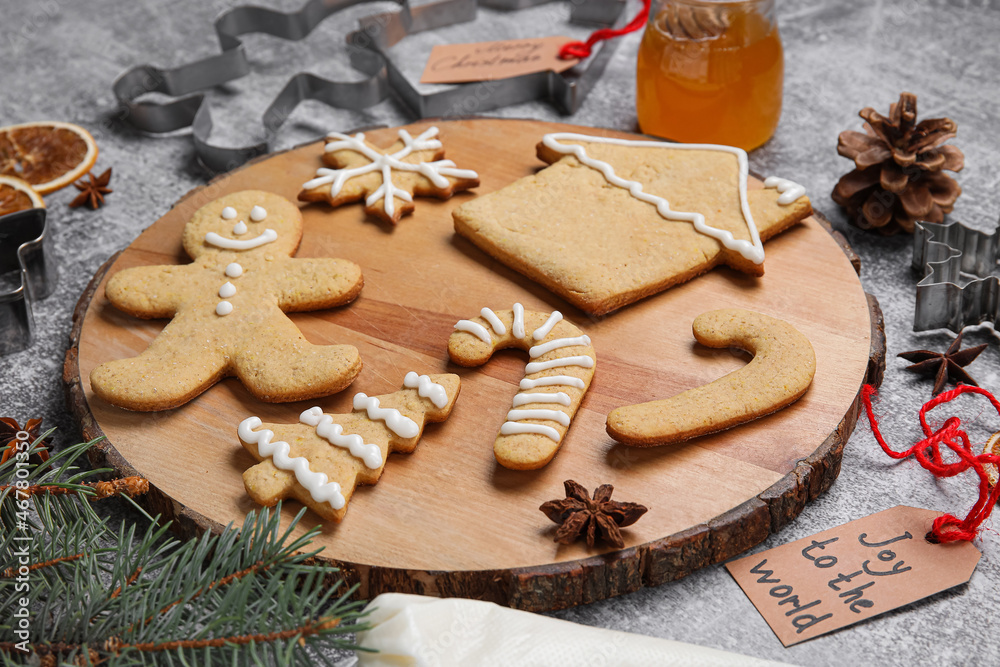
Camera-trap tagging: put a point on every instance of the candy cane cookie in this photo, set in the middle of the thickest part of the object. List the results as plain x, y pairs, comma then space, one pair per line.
555, 379
778, 375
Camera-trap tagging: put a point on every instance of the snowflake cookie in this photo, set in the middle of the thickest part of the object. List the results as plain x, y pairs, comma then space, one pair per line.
228, 308
321, 460
612, 221
386, 179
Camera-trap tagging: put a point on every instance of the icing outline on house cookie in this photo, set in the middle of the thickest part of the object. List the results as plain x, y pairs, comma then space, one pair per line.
752, 250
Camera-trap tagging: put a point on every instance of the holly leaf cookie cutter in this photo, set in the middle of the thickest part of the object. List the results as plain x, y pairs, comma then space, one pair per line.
366, 51
24, 243
947, 299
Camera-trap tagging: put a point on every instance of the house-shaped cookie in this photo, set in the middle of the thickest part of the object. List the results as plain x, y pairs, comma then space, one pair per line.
612, 221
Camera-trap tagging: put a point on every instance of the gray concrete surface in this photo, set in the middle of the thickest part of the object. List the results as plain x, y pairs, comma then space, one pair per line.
59, 57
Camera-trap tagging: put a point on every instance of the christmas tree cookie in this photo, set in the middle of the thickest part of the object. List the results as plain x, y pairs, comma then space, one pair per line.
321, 460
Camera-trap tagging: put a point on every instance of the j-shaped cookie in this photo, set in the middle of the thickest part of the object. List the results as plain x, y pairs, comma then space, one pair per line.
779, 374
555, 380
228, 308
321, 460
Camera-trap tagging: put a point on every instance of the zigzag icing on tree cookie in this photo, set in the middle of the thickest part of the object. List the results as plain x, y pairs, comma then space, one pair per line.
316, 483
426, 388
321, 459
561, 368
394, 420
370, 454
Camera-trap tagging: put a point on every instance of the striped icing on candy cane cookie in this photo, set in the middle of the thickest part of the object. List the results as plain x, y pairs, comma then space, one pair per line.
320, 460
561, 366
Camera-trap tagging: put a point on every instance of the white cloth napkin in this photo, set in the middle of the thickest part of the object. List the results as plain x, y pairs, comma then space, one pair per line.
418, 631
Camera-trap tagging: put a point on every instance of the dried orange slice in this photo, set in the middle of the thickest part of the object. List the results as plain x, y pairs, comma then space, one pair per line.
49, 155
992, 447
17, 195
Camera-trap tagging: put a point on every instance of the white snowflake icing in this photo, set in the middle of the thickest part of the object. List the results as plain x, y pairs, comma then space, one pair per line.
435, 171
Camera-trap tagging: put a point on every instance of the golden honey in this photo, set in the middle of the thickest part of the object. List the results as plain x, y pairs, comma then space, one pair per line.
710, 72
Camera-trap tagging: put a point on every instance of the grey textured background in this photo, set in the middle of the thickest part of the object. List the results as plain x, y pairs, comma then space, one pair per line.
59, 57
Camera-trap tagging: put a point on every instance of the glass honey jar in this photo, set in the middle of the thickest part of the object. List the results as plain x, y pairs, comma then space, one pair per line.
711, 71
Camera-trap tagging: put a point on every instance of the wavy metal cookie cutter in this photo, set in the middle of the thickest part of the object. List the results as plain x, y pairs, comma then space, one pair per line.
366, 53
946, 299
23, 247
185, 81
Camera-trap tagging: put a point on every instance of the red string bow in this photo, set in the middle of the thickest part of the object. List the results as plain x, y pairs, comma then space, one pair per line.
947, 528
582, 50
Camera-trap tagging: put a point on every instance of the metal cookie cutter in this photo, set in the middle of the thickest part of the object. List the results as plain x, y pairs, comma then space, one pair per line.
566, 90
187, 80
23, 247
946, 299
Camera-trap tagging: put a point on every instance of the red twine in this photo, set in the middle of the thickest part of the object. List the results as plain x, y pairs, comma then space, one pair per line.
947, 528
582, 50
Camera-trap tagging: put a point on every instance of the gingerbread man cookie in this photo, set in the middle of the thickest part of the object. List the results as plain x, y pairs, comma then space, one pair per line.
555, 380
322, 459
386, 180
228, 308
778, 375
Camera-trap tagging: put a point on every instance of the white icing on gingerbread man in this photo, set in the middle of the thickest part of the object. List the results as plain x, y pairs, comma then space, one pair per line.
228, 310
257, 214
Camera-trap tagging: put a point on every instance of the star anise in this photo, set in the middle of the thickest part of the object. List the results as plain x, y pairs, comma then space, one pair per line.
9, 430
92, 193
598, 518
944, 366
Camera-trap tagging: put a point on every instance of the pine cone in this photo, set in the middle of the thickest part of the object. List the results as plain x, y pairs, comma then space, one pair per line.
898, 177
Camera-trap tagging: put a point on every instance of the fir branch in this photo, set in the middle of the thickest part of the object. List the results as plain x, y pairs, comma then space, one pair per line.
211, 600
12, 571
128, 582
228, 579
131, 486
308, 629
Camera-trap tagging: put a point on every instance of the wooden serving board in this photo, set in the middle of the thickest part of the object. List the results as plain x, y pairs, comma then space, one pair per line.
447, 520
